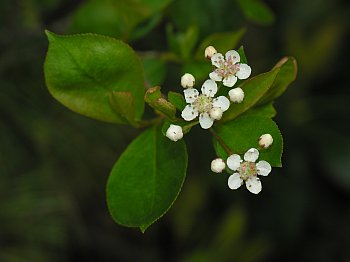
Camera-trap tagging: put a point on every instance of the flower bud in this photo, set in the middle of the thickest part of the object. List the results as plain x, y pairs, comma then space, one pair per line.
174, 133
209, 52
187, 80
215, 113
236, 95
217, 165
265, 141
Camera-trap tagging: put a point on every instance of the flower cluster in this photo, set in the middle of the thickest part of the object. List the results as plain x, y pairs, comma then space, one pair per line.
209, 108
243, 171
205, 105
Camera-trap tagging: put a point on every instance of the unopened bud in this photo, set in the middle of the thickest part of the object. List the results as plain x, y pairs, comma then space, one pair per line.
216, 113
187, 80
265, 141
218, 165
209, 52
174, 133
236, 95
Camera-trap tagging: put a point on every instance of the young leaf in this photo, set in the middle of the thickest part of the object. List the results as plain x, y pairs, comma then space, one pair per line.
221, 41
242, 55
286, 75
254, 88
155, 99
243, 133
146, 179
82, 70
177, 100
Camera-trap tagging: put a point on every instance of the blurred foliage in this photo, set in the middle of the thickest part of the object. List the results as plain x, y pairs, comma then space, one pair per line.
54, 164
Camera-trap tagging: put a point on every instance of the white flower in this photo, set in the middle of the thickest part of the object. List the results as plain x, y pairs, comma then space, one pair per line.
218, 165
202, 104
265, 140
236, 95
209, 52
228, 69
247, 170
187, 80
174, 133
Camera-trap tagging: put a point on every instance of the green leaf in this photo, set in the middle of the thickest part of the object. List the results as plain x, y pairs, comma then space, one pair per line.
115, 18
182, 43
286, 75
254, 88
81, 71
123, 103
243, 133
242, 55
266, 110
155, 70
146, 179
198, 68
257, 11
156, 100
221, 41
177, 100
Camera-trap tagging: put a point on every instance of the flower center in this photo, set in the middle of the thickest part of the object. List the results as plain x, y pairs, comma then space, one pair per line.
203, 103
247, 169
227, 68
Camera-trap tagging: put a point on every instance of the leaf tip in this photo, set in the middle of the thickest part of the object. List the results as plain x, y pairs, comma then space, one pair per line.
50, 36
143, 228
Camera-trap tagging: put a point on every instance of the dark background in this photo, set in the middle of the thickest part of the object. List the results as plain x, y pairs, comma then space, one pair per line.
54, 163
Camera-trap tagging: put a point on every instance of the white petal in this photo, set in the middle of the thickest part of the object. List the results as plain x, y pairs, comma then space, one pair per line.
251, 155
230, 81
221, 102
217, 59
253, 184
209, 88
263, 168
205, 120
233, 55
214, 76
234, 181
244, 71
191, 95
234, 162
189, 113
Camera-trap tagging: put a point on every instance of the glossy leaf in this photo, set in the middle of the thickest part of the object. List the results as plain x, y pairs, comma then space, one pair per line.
243, 133
146, 179
286, 75
266, 110
123, 104
83, 80
254, 88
